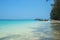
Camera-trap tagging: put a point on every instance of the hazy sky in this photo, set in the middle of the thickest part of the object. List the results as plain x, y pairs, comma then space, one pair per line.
24, 9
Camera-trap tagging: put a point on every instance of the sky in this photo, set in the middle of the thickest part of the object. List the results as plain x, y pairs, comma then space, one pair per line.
25, 9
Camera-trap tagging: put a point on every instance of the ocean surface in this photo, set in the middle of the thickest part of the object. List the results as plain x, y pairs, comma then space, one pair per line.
28, 30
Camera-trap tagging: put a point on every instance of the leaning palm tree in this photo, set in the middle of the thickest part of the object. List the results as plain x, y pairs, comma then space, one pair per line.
55, 13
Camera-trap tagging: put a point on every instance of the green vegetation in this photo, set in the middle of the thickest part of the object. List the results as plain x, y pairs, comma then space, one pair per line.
55, 13
41, 19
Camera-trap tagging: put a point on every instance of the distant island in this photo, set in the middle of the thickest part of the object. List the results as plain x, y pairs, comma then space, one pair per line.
41, 19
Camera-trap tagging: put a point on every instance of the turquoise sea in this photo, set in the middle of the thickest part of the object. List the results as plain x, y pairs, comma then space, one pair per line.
25, 30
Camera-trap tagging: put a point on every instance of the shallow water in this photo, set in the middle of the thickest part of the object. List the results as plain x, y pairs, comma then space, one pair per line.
28, 30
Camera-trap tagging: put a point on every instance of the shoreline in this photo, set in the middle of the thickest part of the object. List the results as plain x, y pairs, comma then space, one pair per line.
55, 21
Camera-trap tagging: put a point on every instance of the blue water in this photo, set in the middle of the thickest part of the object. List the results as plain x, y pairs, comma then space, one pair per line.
25, 30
